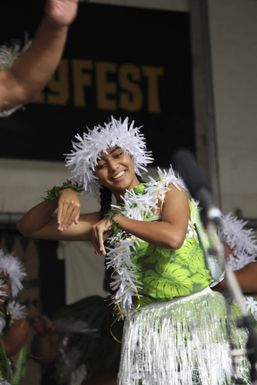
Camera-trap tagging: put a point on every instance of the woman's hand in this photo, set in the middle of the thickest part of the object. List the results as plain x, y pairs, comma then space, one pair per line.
68, 208
98, 234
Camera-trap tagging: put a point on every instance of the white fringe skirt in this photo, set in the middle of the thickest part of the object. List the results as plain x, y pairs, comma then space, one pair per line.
181, 342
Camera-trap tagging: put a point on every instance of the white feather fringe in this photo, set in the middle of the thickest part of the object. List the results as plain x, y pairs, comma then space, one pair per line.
181, 342
16, 310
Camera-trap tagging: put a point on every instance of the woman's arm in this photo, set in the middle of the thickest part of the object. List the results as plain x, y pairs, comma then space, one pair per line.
16, 336
170, 232
42, 223
34, 68
247, 279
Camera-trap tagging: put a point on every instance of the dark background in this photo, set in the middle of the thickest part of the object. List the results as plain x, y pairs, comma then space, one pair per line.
105, 33
108, 34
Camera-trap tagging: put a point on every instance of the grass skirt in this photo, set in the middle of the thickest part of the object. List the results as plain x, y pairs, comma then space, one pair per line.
181, 342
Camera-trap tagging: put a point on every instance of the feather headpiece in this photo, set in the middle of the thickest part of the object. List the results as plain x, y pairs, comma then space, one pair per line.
86, 151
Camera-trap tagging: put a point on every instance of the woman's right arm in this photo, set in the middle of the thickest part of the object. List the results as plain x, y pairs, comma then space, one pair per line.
41, 222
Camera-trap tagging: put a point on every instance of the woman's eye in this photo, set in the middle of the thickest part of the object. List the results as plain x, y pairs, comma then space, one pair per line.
100, 166
117, 154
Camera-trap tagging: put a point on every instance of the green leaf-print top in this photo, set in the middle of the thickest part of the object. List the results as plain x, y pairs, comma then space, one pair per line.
143, 273
166, 273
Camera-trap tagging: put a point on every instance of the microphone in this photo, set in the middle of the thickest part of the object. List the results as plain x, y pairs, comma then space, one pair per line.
199, 188
197, 184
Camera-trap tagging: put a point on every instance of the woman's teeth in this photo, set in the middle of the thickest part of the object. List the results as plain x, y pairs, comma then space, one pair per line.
119, 175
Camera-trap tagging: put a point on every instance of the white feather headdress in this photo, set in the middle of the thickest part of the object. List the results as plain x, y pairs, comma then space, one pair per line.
86, 151
14, 268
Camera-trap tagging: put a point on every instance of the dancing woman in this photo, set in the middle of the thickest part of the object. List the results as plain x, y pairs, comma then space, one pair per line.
175, 325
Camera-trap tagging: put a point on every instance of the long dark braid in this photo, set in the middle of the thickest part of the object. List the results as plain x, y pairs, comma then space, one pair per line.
105, 200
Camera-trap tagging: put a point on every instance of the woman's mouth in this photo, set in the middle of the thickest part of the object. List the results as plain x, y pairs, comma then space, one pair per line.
119, 175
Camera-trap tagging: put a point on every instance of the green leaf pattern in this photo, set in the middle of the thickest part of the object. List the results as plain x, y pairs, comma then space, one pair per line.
166, 273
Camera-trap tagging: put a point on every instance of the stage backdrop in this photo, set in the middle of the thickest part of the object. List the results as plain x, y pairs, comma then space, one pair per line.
118, 61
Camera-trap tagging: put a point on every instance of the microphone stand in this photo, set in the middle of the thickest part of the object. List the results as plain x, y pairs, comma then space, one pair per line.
213, 222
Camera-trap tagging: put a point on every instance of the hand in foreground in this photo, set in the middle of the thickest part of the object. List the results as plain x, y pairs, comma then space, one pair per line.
61, 12
100, 231
68, 209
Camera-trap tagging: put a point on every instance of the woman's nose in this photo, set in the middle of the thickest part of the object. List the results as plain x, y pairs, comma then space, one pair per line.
112, 164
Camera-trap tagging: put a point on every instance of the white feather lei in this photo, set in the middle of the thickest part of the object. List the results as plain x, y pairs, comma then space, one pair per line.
86, 151
136, 206
16, 310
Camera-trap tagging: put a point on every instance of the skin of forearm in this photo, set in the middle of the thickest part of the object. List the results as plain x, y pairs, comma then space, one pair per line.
37, 217
246, 277
41, 58
161, 233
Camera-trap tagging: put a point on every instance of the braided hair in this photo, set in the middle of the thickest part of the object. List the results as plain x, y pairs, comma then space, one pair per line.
106, 198
105, 201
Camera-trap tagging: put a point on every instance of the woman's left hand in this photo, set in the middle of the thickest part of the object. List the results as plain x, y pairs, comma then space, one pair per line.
68, 208
98, 234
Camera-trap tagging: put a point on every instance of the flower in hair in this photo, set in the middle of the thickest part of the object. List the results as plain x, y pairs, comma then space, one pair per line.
88, 147
14, 268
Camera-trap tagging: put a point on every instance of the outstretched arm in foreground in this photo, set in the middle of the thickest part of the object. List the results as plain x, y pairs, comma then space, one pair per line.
34, 68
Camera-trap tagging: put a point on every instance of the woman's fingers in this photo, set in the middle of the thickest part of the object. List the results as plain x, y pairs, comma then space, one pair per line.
68, 209
72, 213
94, 240
62, 210
101, 241
99, 233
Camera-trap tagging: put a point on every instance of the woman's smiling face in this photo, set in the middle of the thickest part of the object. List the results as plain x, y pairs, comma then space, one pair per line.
115, 170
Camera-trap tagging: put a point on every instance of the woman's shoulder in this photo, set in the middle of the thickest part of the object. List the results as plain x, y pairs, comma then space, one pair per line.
166, 177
